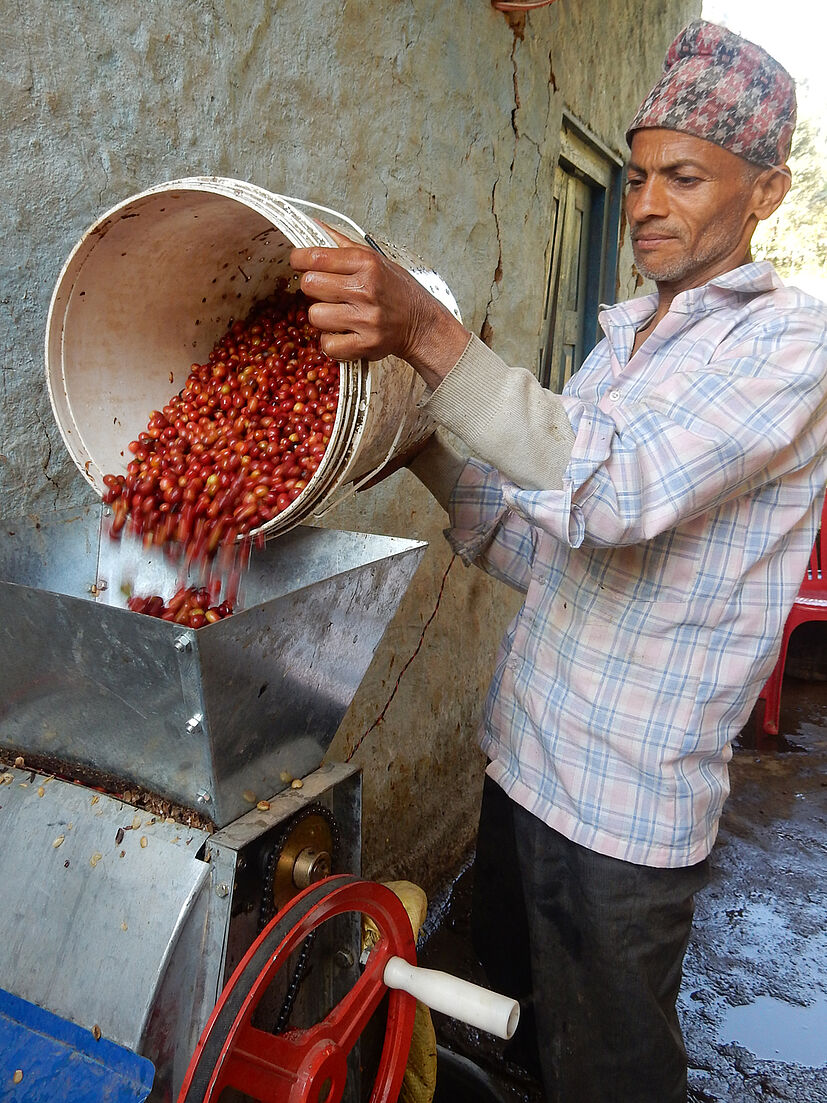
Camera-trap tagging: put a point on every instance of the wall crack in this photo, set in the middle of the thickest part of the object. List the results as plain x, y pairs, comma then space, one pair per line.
516, 108
486, 329
46, 463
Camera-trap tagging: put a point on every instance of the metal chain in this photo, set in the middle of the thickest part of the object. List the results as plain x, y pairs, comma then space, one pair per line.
299, 973
267, 909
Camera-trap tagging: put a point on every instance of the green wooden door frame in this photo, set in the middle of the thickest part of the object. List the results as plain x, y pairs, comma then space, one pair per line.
583, 246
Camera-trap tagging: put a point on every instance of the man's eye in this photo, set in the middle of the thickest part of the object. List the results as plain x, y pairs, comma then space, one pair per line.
686, 181
632, 183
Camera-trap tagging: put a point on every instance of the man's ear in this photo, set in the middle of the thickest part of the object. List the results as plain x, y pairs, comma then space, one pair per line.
769, 190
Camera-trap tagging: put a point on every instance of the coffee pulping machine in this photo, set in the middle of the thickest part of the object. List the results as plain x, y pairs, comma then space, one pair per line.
163, 798
180, 895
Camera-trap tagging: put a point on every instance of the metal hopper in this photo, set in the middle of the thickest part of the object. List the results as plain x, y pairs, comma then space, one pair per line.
212, 719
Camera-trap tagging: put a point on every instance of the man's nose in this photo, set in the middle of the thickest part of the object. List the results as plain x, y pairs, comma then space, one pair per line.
647, 200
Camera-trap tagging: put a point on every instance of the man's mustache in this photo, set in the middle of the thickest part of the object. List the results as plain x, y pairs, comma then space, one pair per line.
652, 229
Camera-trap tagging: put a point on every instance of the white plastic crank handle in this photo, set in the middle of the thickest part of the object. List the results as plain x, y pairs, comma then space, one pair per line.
458, 998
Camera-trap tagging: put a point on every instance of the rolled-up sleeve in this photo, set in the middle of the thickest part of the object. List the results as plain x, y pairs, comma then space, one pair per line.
486, 531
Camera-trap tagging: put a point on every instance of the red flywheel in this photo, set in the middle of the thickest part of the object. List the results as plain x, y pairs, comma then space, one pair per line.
307, 1065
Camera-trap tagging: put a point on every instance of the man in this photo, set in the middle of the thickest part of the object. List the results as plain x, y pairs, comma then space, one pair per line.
658, 516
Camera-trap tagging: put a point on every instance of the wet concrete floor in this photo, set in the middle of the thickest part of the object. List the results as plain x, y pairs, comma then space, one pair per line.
753, 1004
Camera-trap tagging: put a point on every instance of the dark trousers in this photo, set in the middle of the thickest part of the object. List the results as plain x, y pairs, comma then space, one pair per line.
593, 948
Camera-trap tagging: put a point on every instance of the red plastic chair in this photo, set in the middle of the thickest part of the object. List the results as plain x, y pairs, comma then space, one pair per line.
810, 604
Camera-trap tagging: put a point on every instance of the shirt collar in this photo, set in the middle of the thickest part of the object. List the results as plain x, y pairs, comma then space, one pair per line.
750, 279
621, 322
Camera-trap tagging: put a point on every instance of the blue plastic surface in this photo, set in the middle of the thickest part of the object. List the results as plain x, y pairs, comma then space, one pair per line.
46, 1059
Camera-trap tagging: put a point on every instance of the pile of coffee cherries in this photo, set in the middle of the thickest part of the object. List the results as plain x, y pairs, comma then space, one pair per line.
191, 606
238, 443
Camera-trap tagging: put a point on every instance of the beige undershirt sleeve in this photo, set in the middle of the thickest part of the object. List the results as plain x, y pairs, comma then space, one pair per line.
505, 416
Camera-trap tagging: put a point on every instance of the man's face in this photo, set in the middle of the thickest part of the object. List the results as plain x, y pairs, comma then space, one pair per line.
691, 207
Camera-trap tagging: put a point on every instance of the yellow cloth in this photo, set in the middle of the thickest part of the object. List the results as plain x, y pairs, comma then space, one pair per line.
419, 1083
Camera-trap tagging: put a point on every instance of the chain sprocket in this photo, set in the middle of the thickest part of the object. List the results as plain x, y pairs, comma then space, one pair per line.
314, 825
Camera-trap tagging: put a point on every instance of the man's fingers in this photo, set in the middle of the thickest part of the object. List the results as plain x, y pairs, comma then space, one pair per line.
346, 333
363, 303
346, 258
341, 239
328, 287
333, 316
342, 346
319, 258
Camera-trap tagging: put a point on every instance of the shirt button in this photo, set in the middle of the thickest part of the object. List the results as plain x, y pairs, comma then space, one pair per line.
614, 395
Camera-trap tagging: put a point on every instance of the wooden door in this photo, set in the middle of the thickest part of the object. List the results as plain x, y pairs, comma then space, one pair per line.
564, 321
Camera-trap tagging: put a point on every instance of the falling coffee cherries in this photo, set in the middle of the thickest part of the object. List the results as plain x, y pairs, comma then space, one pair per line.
237, 444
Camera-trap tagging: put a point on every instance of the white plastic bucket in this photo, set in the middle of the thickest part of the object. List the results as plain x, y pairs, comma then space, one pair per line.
156, 281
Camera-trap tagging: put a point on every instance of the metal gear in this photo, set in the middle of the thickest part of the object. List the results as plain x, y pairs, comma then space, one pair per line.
305, 851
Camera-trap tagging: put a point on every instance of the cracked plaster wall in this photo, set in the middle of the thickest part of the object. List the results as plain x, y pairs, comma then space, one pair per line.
436, 123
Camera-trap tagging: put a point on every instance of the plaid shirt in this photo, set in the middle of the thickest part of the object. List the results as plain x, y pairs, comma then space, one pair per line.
658, 579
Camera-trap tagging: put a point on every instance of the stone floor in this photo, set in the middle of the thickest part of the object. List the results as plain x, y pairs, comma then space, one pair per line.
754, 999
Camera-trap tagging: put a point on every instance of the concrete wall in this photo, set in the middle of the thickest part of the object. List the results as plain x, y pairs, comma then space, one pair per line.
436, 123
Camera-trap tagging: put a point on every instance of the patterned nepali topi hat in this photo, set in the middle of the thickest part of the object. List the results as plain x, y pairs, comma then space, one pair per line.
718, 86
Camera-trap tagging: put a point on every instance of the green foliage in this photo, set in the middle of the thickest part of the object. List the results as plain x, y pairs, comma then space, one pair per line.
794, 239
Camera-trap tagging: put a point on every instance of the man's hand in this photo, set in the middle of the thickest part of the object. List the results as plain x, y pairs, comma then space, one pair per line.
368, 307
